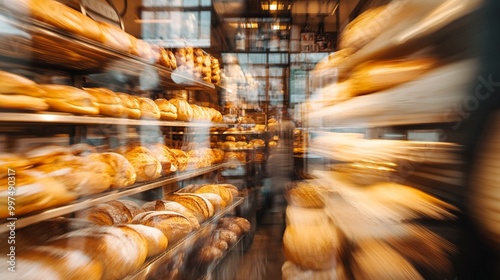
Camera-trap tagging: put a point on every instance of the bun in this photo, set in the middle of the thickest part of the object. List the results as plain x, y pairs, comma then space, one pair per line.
48, 262
168, 110
122, 171
165, 205
109, 103
132, 109
149, 109
146, 165
174, 225
122, 250
157, 241
69, 99
201, 208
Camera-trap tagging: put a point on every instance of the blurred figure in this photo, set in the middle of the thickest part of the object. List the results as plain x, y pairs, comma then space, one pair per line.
280, 163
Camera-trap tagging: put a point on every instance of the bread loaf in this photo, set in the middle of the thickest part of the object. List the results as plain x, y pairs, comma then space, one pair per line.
184, 109
115, 38
165, 205
201, 208
157, 241
224, 193
182, 159
34, 192
111, 213
122, 250
174, 225
58, 15
132, 109
12, 84
164, 154
22, 102
121, 170
311, 246
216, 200
305, 195
109, 103
149, 109
376, 76
167, 110
69, 99
45, 154
146, 165
224, 234
48, 262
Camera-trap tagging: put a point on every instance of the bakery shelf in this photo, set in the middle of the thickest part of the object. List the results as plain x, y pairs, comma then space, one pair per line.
184, 244
62, 118
87, 202
431, 99
417, 24
38, 44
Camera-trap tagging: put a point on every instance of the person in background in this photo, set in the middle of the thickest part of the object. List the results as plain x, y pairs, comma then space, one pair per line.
280, 163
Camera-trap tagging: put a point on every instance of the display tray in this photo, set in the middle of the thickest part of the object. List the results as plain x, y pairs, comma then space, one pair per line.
86, 202
65, 118
36, 43
153, 265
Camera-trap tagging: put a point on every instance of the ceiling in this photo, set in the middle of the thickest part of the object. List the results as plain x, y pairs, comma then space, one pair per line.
334, 13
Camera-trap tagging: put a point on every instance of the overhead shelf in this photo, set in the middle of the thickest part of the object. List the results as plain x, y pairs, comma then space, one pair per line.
87, 202
433, 98
62, 118
38, 44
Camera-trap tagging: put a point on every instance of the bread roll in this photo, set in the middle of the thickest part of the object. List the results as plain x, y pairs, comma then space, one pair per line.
224, 234
58, 15
149, 109
109, 103
69, 99
376, 76
121, 171
174, 225
167, 110
165, 205
208, 254
242, 223
184, 109
122, 250
132, 109
146, 165
48, 262
157, 241
224, 193
201, 208
33, 193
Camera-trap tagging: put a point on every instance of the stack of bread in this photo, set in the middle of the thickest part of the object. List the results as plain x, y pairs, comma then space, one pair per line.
306, 251
216, 72
202, 65
185, 61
